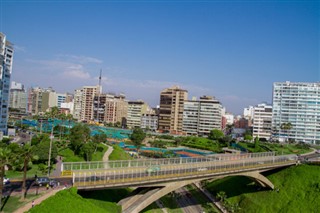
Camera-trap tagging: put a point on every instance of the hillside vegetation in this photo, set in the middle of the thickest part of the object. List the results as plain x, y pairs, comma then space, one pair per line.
69, 201
297, 189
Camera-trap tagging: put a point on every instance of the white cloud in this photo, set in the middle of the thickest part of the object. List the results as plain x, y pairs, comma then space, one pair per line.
77, 74
18, 48
79, 59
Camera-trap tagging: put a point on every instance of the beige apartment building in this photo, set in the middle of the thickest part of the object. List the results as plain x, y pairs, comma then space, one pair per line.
171, 109
110, 108
116, 109
135, 111
88, 94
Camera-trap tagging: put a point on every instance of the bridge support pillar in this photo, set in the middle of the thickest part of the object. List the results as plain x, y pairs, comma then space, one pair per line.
138, 202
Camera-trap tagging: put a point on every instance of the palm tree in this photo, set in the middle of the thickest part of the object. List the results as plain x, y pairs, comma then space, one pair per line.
286, 127
26, 155
5, 159
221, 196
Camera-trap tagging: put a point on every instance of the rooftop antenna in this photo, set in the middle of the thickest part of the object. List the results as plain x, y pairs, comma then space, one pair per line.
98, 110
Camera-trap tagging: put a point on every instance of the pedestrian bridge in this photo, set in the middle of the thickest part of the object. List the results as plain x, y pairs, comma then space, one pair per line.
159, 177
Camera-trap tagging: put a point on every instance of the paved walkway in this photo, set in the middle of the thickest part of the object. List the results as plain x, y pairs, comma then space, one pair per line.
56, 173
28, 205
107, 153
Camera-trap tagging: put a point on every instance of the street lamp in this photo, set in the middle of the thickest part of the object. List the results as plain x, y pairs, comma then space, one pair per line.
49, 158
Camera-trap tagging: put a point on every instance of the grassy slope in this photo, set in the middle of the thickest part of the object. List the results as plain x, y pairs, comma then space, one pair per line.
299, 190
119, 154
69, 201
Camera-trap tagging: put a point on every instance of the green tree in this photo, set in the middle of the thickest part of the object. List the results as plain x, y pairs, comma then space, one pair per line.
286, 127
87, 149
221, 196
26, 155
79, 135
137, 136
216, 134
248, 137
40, 138
98, 138
42, 151
5, 159
256, 144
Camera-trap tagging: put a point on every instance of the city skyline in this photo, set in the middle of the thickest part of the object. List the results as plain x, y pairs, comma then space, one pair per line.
234, 51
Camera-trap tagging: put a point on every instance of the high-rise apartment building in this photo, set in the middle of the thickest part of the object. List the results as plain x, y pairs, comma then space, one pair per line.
40, 100
6, 59
296, 111
18, 97
87, 99
77, 101
262, 119
116, 109
171, 109
201, 116
135, 111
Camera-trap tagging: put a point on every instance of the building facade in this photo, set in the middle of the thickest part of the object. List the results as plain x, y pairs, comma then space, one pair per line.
262, 119
6, 60
296, 104
135, 111
202, 116
116, 109
87, 100
77, 101
18, 97
171, 109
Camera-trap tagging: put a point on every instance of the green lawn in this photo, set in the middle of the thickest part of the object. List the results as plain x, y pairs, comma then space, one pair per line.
12, 203
69, 201
119, 154
299, 190
278, 148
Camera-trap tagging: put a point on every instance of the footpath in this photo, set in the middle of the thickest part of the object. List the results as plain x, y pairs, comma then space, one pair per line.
38, 200
51, 192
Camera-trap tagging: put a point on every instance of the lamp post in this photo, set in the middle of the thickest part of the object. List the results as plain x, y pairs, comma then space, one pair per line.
49, 158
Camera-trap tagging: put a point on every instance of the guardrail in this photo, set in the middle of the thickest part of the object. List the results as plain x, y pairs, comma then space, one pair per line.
139, 175
72, 166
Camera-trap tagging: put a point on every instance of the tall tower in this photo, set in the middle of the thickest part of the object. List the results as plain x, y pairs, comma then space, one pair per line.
171, 109
6, 58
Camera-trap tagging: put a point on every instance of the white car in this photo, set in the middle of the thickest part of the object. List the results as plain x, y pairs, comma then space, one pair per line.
6, 180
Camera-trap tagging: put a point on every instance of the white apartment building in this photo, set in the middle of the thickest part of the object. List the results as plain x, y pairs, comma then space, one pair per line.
135, 111
229, 118
297, 103
149, 121
262, 119
6, 60
77, 100
201, 116
18, 96
248, 112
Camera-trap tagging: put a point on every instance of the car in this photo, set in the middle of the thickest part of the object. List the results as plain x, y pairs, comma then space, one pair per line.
53, 183
6, 180
42, 181
202, 169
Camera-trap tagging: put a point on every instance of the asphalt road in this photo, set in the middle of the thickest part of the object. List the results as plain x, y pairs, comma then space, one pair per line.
187, 203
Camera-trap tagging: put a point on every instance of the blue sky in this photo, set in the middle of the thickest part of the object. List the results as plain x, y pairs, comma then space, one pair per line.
233, 50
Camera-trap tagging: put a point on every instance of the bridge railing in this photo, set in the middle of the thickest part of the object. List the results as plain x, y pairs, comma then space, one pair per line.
132, 175
71, 166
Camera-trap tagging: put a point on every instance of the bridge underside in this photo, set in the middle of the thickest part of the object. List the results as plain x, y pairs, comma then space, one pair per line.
143, 197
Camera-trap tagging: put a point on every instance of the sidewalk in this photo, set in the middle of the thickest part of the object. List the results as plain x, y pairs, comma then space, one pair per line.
107, 153
28, 206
